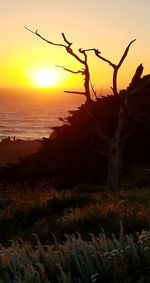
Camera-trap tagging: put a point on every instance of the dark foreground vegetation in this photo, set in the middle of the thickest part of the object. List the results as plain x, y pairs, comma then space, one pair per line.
29, 213
42, 210
98, 260
99, 164
45, 224
74, 153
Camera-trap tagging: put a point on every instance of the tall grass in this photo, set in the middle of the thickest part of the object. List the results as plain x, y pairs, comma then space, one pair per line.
92, 257
43, 211
76, 261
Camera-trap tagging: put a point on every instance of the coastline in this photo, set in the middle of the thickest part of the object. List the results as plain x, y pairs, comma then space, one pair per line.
12, 150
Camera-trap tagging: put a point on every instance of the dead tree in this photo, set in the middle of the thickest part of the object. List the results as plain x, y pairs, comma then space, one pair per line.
115, 154
84, 61
115, 144
87, 82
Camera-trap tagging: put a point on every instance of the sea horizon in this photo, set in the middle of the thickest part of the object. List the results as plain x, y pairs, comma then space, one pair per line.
33, 119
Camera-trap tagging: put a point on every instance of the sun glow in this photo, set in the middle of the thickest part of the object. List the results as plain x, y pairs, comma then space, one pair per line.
45, 78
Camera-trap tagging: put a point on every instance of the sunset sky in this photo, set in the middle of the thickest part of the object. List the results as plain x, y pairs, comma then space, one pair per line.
108, 25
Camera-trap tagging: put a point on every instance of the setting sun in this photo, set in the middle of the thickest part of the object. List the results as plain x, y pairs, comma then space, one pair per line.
45, 78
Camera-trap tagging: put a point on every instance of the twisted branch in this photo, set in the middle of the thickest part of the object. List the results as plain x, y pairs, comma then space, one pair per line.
43, 38
82, 72
69, 50
116, 67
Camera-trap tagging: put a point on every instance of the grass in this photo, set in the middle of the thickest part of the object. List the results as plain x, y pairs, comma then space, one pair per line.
42, 210
45, 247
100, 259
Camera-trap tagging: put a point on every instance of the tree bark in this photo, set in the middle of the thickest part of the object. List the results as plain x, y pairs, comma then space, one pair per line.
116, 155
87, 83
118, 141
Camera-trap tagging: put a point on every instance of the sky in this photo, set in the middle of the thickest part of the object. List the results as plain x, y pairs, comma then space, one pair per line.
108, 25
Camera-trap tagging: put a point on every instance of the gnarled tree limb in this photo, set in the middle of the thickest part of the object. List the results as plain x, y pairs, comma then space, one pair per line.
43, 38
116, 67
75, 92
82, 72
69, 50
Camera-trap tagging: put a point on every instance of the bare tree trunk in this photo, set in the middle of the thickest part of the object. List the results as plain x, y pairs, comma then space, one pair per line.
114, 168
115, 156
118, 141
87, 83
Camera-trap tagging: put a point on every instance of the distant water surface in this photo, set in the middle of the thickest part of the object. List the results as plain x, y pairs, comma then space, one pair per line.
33, 120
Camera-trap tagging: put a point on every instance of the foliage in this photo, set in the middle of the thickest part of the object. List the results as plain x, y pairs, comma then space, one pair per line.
99, 260
27, 210
42, 210
74, 153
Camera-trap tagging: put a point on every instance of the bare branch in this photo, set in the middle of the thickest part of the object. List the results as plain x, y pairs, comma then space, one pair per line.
43, 38
125, 54
69, 50
67, 47
97, 53
92, 49
114, 66
71, 71
117, 67
84, 53
94, 92
65, 40
115, 87
75, 92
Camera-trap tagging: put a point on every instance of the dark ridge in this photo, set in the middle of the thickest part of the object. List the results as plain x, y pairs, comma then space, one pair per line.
74, 153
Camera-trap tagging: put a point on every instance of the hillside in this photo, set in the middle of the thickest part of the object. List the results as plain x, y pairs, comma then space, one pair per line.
75, 154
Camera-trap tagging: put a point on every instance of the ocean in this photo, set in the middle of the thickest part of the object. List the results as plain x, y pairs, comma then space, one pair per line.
29, 120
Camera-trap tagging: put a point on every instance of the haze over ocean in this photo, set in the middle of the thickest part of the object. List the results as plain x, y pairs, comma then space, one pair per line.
29, 120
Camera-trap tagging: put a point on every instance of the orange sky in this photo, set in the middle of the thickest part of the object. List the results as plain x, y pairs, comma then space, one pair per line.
106, 25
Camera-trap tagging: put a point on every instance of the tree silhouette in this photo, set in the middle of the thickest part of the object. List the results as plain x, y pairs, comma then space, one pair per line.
84, 61
86, 73
115, 144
